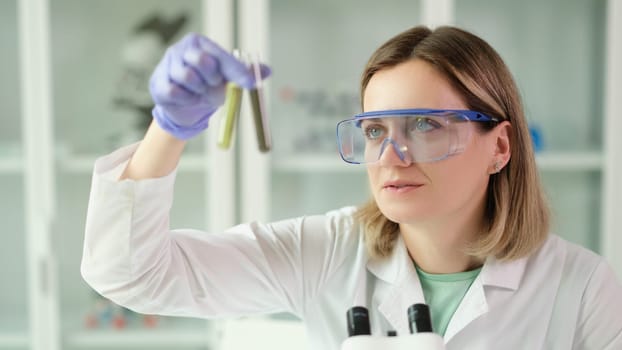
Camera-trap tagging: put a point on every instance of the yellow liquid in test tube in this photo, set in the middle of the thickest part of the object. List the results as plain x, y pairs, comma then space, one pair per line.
233, 103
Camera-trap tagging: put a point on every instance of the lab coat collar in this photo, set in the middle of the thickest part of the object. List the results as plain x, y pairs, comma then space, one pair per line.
496, 273
405, 288
389, 268
503, 274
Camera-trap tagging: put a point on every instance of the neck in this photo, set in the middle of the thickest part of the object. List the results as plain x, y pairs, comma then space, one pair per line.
439, 246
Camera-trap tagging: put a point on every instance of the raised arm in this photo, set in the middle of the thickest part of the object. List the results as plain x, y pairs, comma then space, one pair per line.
131, 255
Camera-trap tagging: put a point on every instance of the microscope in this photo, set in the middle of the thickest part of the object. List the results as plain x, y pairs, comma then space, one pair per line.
421, 335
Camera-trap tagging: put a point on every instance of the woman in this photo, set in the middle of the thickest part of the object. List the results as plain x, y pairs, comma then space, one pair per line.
457, 218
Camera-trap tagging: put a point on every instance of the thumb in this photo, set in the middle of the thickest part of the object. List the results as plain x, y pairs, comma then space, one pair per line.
265, 70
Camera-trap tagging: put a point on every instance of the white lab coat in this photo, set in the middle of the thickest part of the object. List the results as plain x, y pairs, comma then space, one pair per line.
561, 297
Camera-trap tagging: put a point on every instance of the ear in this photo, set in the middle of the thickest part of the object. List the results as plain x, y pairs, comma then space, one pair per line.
501, 146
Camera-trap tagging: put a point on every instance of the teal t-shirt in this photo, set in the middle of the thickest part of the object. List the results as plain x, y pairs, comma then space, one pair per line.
443, 293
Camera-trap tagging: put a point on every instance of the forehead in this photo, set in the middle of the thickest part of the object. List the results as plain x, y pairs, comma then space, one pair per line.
411, 84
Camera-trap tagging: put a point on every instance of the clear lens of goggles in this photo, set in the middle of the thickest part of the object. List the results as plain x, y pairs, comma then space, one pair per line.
424, 137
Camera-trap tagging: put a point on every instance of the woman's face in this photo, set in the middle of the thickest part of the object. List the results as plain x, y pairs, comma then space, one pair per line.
427, 192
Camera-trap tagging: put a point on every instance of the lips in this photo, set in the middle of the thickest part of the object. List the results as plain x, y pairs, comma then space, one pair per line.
400, 184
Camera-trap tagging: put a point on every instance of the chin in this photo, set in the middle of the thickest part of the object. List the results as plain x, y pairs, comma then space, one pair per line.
401, 213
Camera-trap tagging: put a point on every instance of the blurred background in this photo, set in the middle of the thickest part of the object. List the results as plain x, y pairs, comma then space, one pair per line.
73, 78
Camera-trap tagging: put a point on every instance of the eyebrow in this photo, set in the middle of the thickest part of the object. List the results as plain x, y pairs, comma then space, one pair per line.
376, 120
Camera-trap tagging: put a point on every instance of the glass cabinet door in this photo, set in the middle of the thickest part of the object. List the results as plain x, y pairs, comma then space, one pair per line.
318, 50
103, 53
14, 293
555, 49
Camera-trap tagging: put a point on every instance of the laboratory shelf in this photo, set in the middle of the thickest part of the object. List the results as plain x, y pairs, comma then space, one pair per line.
157, 338
547, 161
570, 161
166, 333
13, 340
11, 165
14, 332
313, 164
573, 161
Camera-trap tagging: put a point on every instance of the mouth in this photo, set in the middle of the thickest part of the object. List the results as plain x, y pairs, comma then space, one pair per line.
400, 186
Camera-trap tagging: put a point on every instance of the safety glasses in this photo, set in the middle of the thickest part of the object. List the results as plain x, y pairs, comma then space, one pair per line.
416, 135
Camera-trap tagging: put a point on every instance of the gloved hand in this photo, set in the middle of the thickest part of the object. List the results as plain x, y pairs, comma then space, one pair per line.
188, 85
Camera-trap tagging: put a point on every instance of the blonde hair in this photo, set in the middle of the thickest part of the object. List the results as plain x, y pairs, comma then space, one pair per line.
516, 211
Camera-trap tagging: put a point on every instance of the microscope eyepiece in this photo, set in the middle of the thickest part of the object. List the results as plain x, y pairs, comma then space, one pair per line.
419, 320
358, 321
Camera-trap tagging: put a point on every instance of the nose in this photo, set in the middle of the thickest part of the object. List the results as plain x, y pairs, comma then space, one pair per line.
392, 153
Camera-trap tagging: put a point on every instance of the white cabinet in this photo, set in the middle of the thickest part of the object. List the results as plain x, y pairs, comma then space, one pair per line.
73, 88
13, 270
74, 84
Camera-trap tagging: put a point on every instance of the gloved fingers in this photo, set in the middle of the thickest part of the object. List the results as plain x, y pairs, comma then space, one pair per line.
184, 74
193, 66
204, 65
215, 96
165, 90
265, 71
232, 68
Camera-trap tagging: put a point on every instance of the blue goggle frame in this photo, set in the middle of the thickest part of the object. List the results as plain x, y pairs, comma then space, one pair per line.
469, 114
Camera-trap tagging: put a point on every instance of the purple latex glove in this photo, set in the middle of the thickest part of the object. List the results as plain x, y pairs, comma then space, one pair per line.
188, 85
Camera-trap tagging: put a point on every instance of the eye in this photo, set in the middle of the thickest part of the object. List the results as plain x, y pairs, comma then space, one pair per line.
424, 125
373, 131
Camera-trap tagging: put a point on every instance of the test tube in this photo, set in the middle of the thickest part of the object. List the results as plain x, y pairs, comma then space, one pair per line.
262, 126
233, 102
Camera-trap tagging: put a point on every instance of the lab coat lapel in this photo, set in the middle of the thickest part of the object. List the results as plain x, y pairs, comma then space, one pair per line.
506, 276
472, 306
402, 288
